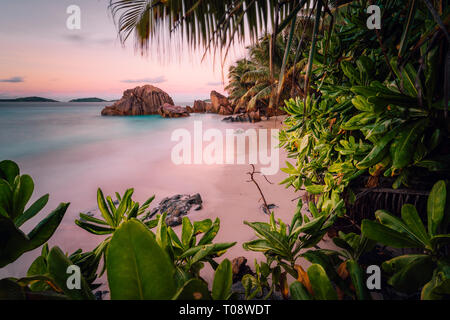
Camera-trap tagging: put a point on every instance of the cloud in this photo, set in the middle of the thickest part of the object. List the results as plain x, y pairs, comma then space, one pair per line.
13, 80
218, 83
159, 79
88, 39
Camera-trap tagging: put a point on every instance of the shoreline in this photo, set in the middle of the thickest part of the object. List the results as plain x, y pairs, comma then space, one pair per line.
73, 175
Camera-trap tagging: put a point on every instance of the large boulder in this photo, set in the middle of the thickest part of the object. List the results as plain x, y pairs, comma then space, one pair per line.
210, 108
169, 111
199, 106
145, 100
226, 110
220, 104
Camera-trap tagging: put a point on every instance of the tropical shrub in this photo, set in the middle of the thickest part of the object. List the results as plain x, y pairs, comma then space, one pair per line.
139, 267
15, 193
113, 216
428, 270
188, 253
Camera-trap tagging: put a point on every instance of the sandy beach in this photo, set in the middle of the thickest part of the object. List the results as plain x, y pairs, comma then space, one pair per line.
74, 174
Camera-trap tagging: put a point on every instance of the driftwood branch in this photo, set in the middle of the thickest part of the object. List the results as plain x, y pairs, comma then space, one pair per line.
252, 179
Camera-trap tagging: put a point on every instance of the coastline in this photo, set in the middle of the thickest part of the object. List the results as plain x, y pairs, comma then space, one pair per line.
74, 174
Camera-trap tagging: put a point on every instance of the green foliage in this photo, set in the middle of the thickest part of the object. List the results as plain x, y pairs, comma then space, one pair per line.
193, 248
113, 216
15, 193
139, 265
46, 278
428, 270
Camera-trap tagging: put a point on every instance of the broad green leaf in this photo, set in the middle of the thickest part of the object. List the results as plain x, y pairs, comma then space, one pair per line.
436, 207
321, 284
137, 268
385, 235
45, 229
358, 280
410, 272
194, 289
413, 221
209, 235
395, 224
9, 170
202, 226
13, 242
299, 292
223, 279
22, 195
34, 209
57, 268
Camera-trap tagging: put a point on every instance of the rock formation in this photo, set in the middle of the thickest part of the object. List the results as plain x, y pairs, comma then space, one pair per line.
220, 104
253, 116
143, 100
200, 106
176, 208
169, 111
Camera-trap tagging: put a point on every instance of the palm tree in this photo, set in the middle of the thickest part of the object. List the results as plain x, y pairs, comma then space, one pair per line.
216, 26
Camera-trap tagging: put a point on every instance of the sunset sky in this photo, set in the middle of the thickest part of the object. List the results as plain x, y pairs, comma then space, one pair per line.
40, 56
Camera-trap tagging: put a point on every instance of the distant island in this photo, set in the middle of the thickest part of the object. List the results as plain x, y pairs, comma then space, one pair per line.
28, 99
88, 100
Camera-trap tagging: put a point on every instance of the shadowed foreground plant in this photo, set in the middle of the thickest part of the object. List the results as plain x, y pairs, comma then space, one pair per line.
113, 216
139, 268
430, 269
15, 192
47, 278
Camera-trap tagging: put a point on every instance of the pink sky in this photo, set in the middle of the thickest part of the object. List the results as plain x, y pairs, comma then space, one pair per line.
40, 56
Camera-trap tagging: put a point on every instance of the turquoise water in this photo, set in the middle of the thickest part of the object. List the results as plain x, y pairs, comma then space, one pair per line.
28, 129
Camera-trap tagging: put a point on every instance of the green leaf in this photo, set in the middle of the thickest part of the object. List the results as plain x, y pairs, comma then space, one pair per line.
209, 235
94, 229
385, 235
89, 218
194, 289
104, 208
13, 242
202, 226
57, 268
123, 206
137, 268
9, 170
436, 207
223, 279
34, 209
321, 284
398, 225
21, 196
299, 292
187, 232
45, 229
410, 272
357, 276
413, 221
